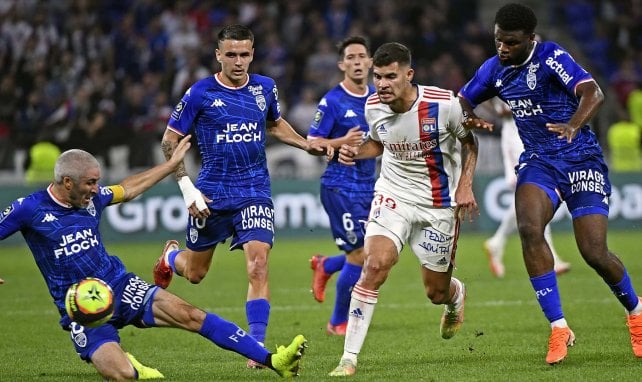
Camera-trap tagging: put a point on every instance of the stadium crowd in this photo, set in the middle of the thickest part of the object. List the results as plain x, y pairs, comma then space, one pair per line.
101, 74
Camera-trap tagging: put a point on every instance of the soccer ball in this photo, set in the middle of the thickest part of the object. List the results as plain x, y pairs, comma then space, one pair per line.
90, 302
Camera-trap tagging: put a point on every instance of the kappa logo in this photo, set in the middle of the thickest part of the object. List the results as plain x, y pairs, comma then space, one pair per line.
350, 114
48, 218
498, 83
557, 52
218, 103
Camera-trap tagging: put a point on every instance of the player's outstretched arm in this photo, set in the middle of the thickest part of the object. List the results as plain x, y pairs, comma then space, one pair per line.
368, 149
464, 196
283, 131
195, 201
136, 184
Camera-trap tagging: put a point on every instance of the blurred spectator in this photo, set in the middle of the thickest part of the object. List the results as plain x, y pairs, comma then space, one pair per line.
624, 139
68, 64
40, 163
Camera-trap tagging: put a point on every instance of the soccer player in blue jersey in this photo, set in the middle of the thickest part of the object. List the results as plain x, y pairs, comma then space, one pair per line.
60, 225
346, 191
230, 113
552, 99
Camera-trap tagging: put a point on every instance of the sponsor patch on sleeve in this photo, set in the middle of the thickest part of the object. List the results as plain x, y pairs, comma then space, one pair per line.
318, 116
178, 110
6, 212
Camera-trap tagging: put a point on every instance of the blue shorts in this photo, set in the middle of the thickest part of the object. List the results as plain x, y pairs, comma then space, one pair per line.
133, 297
348, 213
582, 183
252, 219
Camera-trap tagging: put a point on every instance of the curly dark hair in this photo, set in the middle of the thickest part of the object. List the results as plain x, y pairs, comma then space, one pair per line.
516, 17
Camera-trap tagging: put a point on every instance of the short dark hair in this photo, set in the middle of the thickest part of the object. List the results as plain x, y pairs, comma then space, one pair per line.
516, 17
391, 52
236, 32
343, 44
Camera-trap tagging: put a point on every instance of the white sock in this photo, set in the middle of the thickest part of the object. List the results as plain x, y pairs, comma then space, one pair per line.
561, 323
362, 304
459, 294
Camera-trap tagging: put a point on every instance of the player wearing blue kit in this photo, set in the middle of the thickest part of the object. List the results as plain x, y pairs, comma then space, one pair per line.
230, 114
346, 191
552, 98
61, 228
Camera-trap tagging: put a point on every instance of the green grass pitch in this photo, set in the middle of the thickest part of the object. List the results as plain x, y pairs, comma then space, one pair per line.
504, 336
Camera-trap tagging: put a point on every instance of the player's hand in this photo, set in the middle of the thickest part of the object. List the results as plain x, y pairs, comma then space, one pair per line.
180, 150
1, 281
564, 130
354, 136
474, 122
195, 201
466, 204
320, 147
347, 154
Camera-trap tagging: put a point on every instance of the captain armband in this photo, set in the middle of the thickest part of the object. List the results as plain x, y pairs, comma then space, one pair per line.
119, 193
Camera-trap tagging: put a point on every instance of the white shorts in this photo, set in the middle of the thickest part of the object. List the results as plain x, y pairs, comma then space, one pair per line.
431, 232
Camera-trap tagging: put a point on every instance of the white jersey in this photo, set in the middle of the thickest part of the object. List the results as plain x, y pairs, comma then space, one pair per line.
512, 146
421, 161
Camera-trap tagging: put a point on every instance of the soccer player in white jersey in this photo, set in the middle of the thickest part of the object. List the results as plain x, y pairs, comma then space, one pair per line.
512, 147
424, 188
230, 113
552, 99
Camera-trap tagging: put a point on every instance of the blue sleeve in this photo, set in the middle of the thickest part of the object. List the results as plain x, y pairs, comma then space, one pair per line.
186, 110
12, 218
561, 66
274, 108
480, 88
324, 118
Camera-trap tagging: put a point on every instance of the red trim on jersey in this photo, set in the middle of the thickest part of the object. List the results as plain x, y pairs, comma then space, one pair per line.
431, 164
437, 94
373, 99
365, 292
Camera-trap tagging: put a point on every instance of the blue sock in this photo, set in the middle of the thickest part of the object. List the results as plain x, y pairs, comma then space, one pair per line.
229, 336
258, 313
334, 263
548, 295
625, 293
171, 259
349, 276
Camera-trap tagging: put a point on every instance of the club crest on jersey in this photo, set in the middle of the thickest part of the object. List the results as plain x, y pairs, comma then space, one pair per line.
531, 77
91, 208
428, 125
260, 102
193, 235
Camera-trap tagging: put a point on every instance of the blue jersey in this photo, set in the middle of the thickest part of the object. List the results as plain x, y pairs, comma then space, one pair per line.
339, 111
539, 91
65, 241
230, 126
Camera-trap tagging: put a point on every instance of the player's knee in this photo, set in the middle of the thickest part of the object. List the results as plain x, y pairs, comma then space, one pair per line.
196, 276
